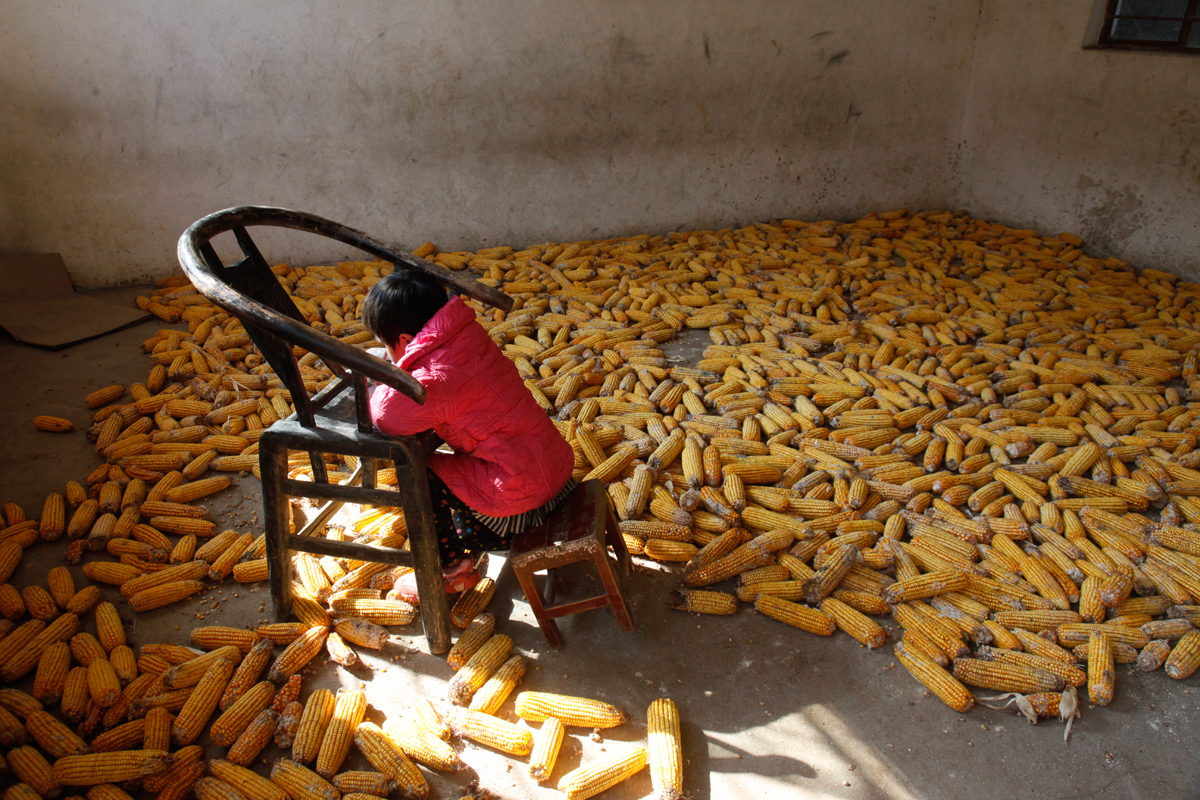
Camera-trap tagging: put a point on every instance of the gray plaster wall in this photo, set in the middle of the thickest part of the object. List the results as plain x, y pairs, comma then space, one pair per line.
464, 123
470, 124
1101, 143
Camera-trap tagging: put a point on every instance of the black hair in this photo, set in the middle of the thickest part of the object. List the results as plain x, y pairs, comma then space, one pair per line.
401, 303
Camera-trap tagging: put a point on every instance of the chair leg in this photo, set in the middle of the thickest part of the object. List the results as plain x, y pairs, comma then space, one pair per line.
427, 563
536, 603
272, 462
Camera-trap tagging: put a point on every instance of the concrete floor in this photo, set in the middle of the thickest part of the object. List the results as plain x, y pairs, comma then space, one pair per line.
767, 711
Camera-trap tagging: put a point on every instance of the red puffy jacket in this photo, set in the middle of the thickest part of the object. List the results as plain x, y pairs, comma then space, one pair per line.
508, 456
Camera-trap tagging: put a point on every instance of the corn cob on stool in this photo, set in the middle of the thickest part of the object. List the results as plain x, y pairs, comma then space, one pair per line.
333, 420
581, 529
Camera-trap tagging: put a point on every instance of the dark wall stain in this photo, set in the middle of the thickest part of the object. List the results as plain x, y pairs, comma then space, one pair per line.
837, 57
707, 53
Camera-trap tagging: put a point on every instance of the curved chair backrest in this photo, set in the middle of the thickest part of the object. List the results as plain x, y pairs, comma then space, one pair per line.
250, 291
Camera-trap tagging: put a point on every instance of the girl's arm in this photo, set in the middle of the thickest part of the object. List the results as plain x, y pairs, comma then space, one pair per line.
397, 415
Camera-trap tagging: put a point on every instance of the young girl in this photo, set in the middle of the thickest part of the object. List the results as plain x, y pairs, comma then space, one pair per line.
510, 466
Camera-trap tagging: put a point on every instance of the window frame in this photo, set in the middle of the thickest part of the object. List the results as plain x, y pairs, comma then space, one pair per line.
1099, 33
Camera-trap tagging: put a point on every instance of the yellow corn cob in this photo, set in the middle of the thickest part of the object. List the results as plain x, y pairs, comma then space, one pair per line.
211, 637
591, 779
667, 550
796, 615
124, 663
946, 687
19, 639
472, 602
229, 726
26, 659
21, 791
486, 660
115, 767
102, 397
86, 648
53, 424
53, 519
1035, 620
865, 630
317, 713
300, 783
157, 729
249, 783
1070, 673
254, 738
122, 737
1005, 677
422, 746
103, 684
349, 708
163, 595
189, 667
75, 696
297, 654
51, 674
1079, 632
380, 612
289, 723
656, 529
52, 736
839, 561
110, 572
31, 767
491, 731
109, 628
12, 605
703, 602
181, 770
545, 750
250, 571
928, 585
362, 633
201, 703
215, 789
575, 711
665, 755
362, 782
1185, 657
224, 563
197, 489
499, 686
387, 757
424, 713
1100, 675
750, 555
182, 526
61, 585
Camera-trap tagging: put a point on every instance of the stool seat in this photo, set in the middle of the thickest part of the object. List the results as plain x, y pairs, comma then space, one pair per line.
580, 529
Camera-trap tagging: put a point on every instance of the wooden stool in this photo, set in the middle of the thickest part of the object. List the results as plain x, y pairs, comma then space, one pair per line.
582, 528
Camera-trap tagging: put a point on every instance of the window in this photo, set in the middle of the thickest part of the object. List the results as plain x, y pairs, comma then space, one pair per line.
1162, 25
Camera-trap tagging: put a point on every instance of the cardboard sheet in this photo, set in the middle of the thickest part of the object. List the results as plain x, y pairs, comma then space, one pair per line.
39, 306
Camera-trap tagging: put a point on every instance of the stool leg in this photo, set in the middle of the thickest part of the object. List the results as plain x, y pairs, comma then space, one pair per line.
534, 596
616, 591
272, 462
612, 588
427, 562
614, 539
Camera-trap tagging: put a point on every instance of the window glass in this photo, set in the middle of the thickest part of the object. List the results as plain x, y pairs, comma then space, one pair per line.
1151, 8
1146, 30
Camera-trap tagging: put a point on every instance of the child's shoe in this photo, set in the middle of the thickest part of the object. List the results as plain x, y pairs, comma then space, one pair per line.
458, 578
